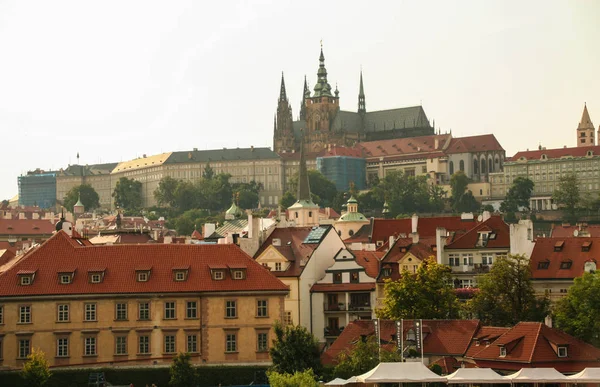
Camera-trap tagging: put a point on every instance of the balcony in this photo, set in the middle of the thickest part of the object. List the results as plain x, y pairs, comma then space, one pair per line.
332, 331
366, 306
339, 307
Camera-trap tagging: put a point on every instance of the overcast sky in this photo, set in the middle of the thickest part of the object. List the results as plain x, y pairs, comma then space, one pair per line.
113, 80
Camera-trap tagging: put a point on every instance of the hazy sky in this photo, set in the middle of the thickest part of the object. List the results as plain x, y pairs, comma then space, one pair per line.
113, 80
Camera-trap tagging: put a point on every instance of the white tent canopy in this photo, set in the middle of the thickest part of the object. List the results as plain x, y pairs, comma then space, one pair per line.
336, 382
475, 375
588, 375
538, 375
400, 373
352, 380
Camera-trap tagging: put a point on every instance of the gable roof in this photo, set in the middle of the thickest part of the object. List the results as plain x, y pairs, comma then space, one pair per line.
494, 225
570, 251
120, 263
532, 343
470, 144
402, 247
566, 230
382, 229
410, 147
369, 260
581, 151
37, 227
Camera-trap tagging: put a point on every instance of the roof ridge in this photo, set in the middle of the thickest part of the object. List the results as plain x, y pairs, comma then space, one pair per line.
535, 343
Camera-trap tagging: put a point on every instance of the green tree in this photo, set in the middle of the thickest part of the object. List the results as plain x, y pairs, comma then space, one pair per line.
247, 199
187, 196
578, 314
362, 357
567, 194
128, 194
323, 190
181, 371
36, 371
287, 199
294, 349
405, 194
437, 198
518, 195
369, 201
89, 197
306, 378
208, 172
215, 193
427, 294
165, 193
506, 294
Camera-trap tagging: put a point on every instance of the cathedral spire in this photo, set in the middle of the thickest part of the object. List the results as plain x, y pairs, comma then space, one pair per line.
305, 95
322, 88
586, 121
282, 93
303, 183
362, 107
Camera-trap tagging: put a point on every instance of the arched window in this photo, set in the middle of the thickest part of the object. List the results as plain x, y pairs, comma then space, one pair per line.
475, 167
461, 165
482, 165
451, 168
490, 165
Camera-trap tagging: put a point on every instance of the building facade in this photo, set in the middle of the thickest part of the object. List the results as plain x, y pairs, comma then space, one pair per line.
137, 305
96, 175
322, 122
37, 188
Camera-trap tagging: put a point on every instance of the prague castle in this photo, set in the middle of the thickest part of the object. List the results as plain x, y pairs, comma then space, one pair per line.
323, 123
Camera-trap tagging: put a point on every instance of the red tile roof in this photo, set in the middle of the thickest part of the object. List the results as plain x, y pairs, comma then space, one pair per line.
197, 235
571, 254
494, 224
342, 151
346, 287
369, 260
121, 261
481, 143
410, 147
16, 227
485, 335
440, 337
402, 246
565, 231
532, 343
556, 153
384, 228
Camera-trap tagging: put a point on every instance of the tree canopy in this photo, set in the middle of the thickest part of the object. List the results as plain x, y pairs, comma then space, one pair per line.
36, 371
578, 313
306, 378
462, 199
89, 197
518, 195
567, 194
362, 357
181, 372
506, 294
426, 294
294, 349
128, 194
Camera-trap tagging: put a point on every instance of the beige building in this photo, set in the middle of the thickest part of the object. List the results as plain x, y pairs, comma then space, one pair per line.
137, 305
96, 175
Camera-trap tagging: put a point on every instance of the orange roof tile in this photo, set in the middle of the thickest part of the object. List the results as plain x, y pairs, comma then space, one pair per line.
481, 143
545, 250
470, 239
121, 262
18, 227
384, 228
369, 260
410, 147
566, 231
556, 153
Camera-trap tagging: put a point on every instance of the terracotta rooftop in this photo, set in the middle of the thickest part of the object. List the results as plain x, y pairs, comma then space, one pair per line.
566, 230
556, 153
420, 147
563, 258
122, 261
18, 227
345, 287
401, 247
382, 229
481, 143
493, 226
369, 260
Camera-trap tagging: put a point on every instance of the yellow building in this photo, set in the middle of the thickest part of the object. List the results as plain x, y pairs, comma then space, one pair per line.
137, 304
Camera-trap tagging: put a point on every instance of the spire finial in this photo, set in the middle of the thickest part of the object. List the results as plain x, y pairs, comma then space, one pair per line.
282, 93
362, 106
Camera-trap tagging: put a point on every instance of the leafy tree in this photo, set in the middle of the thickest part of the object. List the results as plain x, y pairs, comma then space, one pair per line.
181, 371
518, 195
294, 349
165, 193
427, 294
405, 194
462, 199
488, 207
89, 197
287, 199
323, 190
36, 371
306, 378
567, 194
506, 295
247, 199
215, 193
437, 198
370, 201
187, 196
363, 357
128, 194
190, 220
578, 314
208, 172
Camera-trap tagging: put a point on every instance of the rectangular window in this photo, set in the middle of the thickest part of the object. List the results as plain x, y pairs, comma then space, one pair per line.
231, 309
121, 311
262, 309
144, 311
95, 278
468, 259
65, 279
487, 259
287, 318
180, 276
337, 277
1, 314
170, 310
90, 312
62, 347
192, 343
63, 312
24, 348
191, 309
90, 346
144, 344
218, 275
121, 345
262, 342
453, 259
231, 342
238, 274
170, 344
277, 266
24, 314
354, 278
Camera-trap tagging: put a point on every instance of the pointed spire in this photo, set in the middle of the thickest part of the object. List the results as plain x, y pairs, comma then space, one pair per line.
305, 95
303, 183
586, 121
362, 107
282, 93
322, 88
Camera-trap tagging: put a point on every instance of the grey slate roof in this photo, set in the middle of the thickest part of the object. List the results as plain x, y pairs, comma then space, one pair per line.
88, 170
205, 156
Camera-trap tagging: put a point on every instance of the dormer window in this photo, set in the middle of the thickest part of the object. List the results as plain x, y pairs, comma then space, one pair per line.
543, 265
180, 274
566, 264
65, 279
559, 246
218, 275
386, 272
238, 274
585, 247
277, 266
26, 277
502, 351
26, 280
562, 351
96, 276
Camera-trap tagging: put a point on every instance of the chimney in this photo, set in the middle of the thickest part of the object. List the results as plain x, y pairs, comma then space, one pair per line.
168, 240
415, 237
436, 143
440, 242
250, 225
209, 229
414, 222
391, 241
486, 215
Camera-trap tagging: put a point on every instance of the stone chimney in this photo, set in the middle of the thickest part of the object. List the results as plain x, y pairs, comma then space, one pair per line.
440, 242
209, 229
414, 222
415, 237
485, 216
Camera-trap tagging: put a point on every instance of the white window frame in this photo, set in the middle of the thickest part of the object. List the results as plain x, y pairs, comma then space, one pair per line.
63, 312
25, 314
62, 347
90, 311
